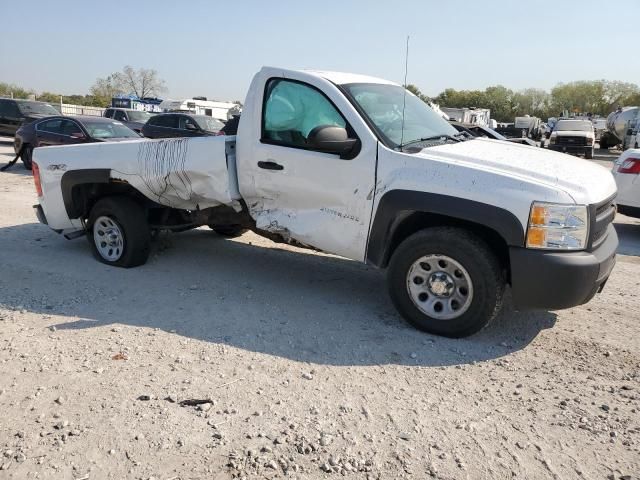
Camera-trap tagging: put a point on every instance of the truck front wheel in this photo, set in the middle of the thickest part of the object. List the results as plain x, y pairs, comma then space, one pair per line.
118, 232
446, 281
229, 231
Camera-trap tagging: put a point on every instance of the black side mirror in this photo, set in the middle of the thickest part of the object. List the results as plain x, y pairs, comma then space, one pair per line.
331, 139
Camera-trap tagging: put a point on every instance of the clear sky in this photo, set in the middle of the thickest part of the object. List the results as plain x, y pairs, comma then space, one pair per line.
212, 48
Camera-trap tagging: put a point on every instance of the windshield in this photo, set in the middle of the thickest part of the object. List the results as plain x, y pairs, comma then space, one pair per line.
208, 123
104, 130
565, 125
38, 108
383, 105
137, 116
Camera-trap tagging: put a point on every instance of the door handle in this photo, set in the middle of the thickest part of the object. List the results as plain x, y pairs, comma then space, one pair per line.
270, 165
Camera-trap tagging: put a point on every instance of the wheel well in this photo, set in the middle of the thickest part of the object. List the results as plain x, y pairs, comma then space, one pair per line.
416, 221
85, 195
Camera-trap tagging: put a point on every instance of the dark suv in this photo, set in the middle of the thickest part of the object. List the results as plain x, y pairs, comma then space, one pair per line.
14, 113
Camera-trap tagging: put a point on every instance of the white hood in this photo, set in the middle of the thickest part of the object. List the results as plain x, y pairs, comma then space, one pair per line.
583, 180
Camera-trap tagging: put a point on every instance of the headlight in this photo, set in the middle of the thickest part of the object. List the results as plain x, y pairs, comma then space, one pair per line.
557, 226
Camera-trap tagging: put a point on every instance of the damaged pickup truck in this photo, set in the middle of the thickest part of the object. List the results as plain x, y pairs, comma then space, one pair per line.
358, 167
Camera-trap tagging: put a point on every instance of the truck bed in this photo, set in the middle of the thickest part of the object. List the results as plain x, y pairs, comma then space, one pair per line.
182, 173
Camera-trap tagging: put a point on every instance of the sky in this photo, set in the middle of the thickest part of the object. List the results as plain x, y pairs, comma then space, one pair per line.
213, 48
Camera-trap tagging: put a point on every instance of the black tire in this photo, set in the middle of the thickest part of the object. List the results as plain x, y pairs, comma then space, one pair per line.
473, 254
588, 154
229, 231
27, 156
131, 219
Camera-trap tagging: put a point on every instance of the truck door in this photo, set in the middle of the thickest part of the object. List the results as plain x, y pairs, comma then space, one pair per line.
314, 197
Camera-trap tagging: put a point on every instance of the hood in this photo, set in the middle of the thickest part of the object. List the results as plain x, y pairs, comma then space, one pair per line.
572, 133
583, 180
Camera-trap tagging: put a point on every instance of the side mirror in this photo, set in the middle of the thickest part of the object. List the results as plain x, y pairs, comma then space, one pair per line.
331, 139
78, 135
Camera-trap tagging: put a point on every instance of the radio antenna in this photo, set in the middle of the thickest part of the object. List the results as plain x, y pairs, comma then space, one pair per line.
404, 98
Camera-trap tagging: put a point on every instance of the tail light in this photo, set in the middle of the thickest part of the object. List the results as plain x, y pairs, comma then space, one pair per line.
630, 165
36, 178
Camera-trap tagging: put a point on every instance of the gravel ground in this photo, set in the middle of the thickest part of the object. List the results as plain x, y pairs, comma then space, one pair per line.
303, 368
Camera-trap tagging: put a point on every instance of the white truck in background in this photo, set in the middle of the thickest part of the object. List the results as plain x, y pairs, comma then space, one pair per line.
329, 161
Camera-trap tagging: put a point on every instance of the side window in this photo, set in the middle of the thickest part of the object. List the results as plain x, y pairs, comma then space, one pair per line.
168, 121
3, 108
50, 126
69, 128
108, 113
120, 116
11, 109
187, 123
292, 110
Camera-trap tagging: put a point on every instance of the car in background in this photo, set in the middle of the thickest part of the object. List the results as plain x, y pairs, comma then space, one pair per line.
134, 119
14, 113
168, 125
486, 132
70, 130
626, 171
573, 136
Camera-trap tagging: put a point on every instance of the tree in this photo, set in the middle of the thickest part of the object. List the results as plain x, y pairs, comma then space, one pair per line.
143, 82
9, 89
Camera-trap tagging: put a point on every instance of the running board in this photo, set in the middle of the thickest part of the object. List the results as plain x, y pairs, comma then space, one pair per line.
75, 234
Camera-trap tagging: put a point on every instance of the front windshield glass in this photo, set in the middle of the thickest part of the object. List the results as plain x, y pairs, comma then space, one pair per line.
38, 108
575, 125
383, 104
105, 130
138, 116
208, 123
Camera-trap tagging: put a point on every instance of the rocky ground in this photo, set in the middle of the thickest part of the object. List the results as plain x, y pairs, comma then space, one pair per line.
228, 359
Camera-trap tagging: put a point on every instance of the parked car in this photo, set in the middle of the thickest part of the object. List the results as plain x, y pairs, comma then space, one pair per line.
70, 130
134, 119
14, 113
573, 136
626, 172
168, 125
324, 160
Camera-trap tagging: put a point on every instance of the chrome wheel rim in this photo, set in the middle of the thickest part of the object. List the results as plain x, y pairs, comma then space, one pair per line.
108, 238
440, 287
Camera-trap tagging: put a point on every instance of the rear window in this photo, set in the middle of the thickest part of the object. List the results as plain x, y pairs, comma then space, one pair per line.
575, 125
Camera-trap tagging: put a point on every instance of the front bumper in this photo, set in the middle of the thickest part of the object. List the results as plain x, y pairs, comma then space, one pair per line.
556, 280
571, 148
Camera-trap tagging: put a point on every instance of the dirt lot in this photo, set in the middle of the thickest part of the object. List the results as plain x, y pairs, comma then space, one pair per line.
309, 370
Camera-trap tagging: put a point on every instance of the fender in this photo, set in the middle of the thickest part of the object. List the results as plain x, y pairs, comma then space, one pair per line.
78, 177
397, 205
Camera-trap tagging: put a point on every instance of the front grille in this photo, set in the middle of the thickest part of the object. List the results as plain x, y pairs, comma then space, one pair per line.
568, 140
601, 215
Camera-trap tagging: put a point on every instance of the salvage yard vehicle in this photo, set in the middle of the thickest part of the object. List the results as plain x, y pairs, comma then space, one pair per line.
134, 119
15, 113
626, 171
358, 167
67, 130
573, 136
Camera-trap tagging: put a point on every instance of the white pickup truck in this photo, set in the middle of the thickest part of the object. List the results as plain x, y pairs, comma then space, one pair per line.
358, 167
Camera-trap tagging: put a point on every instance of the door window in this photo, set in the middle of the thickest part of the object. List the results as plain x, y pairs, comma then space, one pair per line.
8, 108
108, 113
292, 109
187, 123
168, 121
120, 116
51, 126
69, 128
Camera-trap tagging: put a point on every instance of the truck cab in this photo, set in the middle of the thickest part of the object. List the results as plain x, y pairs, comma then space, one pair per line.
358, 167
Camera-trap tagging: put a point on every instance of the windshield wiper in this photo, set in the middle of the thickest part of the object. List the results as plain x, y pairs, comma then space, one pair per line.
433, 137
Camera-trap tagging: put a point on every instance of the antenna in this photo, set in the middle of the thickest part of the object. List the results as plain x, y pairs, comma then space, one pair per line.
404, 98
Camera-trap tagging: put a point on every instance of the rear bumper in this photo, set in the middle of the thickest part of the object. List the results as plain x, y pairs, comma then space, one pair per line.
571, 148
556, 280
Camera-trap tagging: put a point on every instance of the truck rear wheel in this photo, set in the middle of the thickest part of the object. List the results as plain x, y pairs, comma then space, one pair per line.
118, 232
446, 281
